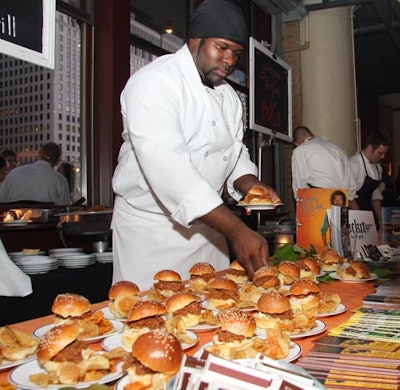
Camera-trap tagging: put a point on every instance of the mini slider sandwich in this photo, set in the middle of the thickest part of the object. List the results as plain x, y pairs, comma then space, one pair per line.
222, 293
156, 357
259, 195
145, 316
329, 260
167, 283
75, 308
123, 295
236, 272
354, 270
266, 277
289, 272
200, 274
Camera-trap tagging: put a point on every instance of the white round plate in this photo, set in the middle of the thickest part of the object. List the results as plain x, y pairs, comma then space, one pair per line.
22, 254
19, 376
39, 332
6, 364
319, 327
339, 310
206, 305
294, 352
257, 207
115, 341
334, 275
16, 222
109, 315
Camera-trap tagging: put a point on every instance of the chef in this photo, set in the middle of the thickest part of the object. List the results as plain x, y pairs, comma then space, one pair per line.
182, 132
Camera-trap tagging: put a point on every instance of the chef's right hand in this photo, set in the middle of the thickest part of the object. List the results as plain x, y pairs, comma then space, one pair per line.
251, 250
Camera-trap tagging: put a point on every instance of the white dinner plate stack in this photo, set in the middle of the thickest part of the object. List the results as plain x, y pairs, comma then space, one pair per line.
36, 264
20, 255
77, 260
104, 257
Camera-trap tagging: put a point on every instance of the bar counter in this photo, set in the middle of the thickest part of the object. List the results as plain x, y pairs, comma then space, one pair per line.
351, 295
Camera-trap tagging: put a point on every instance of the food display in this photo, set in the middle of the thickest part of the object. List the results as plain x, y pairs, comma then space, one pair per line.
221, 293
329, 259
16, 345
258, 195
355, 269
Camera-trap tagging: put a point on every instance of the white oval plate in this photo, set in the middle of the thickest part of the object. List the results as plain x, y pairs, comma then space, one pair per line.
295, 351
6, 364
19, 376
257, 207
115, 341
334, 275
39, 332
339, 310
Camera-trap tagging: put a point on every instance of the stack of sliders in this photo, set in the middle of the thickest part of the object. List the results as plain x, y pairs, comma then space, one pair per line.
235, 338
144, 316
237, 273
68, 360
74, 308
15, 344
156, 357
200, 274
354, 270
123, 295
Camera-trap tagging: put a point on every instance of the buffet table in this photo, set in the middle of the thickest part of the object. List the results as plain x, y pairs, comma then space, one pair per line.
351, 295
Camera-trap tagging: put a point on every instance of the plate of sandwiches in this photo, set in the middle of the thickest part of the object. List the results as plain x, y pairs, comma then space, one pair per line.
258, 198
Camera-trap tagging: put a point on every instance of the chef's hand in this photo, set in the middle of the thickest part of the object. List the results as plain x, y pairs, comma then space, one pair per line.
251, 250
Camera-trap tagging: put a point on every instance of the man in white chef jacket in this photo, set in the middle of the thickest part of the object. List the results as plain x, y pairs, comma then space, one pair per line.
183, 131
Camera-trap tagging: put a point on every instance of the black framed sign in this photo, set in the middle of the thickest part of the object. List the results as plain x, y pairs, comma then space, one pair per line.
27, 30
270, 92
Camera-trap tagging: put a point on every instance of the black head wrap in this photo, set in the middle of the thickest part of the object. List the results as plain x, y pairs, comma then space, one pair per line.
219, 19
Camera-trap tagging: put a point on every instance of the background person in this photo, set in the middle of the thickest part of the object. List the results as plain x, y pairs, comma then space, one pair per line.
367, 171
3, 169
183, 130
11, 159
37, 182
317, 163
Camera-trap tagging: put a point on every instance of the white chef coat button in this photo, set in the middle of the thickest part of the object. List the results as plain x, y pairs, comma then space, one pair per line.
213, 123
224, 158
206, 154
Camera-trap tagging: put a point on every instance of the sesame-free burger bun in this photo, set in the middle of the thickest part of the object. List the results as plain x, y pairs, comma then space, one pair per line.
123, 288
167, 275
55, 340
312, 265
179, 300
159, 351
237, 322
222, 284
361, 268
70, 305
273, 303
304, 287
143, 309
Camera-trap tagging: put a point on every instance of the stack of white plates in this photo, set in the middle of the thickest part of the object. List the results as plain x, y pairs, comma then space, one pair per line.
36, 264
60, 252
77, 260
105, 257
17, 255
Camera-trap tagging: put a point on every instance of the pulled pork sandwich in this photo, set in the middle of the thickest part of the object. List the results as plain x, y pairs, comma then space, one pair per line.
304, 301
354, 270
200, 274
329, 259
235, 338
266, 278
167, 283
15, 344
75, 308
309, 268
145, 316
274, 312
156, 357
123, 295
288, 272
236, 272
68, 360
221, 293
184, 308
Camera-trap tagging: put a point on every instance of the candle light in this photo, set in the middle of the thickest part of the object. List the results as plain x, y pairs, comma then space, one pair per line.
283, 238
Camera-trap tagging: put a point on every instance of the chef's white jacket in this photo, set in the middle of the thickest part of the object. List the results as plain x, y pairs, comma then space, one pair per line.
321, 164
179, 149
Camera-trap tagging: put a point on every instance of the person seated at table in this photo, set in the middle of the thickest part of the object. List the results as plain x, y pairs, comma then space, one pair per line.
37, 182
